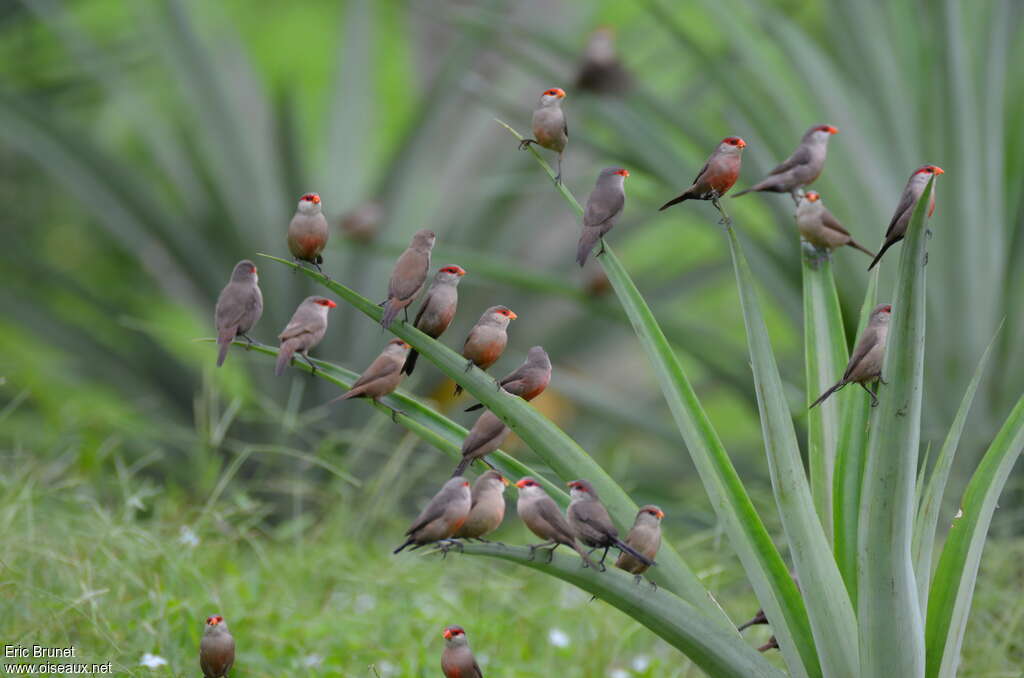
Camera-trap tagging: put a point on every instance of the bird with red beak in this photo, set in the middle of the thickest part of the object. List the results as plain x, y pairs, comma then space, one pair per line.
438, 308
818, 227
487, 340
541, 515
718, 175
549, 128
408, 276
590, 521
645, 538
457, 659
383, 375
528, 380
801, 168
217, 648
866, 362
304, 332
905, 209
239, 307
604, 205
308, 231
487, 506
442, 517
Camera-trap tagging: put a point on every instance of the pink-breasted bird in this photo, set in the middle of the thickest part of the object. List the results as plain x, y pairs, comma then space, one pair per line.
905, 209
408, 276
866, 362
304, 331
239, 307
716, 177
383, 375
487, 340
550, 130
645, 538
457, 660
820, 228
308, 231
487, 506
590, 521
487, 435
438, 308
442, 517
528, 380
217, 648
604, 205
801, 168
541, 515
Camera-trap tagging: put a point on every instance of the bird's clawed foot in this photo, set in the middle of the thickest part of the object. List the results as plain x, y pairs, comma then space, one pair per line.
395, 412
725, 220
469, 365
600, 251
525, 143
309, 362
248, 339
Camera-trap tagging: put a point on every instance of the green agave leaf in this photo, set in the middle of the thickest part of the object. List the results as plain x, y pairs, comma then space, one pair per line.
764, 565
719, 653
931, 500
825, 357
565, 457
891, 626
851, 457
953, 585
828, 604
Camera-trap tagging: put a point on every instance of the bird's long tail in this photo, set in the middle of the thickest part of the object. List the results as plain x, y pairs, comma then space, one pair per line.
675, 201
623, 546
463, 465
284, 357
835, 387
857, 246
878, 257
391, 309
588, 239
224, 339
743, 192
410, 362
474, 408
407, 542
351, 393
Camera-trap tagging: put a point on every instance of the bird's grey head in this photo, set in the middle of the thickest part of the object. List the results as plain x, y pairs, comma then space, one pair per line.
881, 314
423, 240
458, 482
732, 146
215, 624
498, 315
310, 203
819, 134
612, 175
538, 356
552, 97
455, 636
244, 271
397, 347
649, 514
581, 489
492, 480
450, 274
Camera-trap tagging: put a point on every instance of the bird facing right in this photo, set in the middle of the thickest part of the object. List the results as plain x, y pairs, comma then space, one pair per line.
457, 659
408, 276
645, 537
905, 209
866, 362
541, 515
217, 648
590, 521
487, 340
550, 130
487, 506
438, 308
799, 169
239, 307
718, 175
304, 332
604, 205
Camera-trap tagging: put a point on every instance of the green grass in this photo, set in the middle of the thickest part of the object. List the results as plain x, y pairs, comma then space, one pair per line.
105, 570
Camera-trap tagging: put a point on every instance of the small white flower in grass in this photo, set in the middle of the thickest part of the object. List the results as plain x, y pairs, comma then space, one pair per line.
558, 638
641, 662
188, 537
365, 602
152, 661
959, 514
386, 668
312, 661
618, 673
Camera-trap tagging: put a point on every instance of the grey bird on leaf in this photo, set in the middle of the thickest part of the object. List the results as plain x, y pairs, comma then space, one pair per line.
408, 276
308, 231
645, 538
905, 209
528, 380
541, 514
590, 521
801, 168
550, 130
866, 362
239, 307
604, 205
442, 517
438, 308
382, 377
304, 332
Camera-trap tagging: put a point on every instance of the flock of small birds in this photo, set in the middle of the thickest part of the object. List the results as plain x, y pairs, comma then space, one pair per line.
461, 512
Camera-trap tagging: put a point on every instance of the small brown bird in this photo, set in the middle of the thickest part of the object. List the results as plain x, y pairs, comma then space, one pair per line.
408, 276
457, 660
540, 513
717, 176
905, 209
383, 375
487, 340
818, 227
239, 307
866, 362
487, 435
438, 308
304, 331
362, 222
601, 71
443, 515
529, 380
645, 537
604, 205
550, 130
487, 508
590, 521
217, 648
308, 231
801, 168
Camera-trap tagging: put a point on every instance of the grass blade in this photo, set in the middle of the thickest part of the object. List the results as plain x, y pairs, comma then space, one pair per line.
955, 576
891, 627
851, 458
828, 605
565, 457
719, 653
825, 357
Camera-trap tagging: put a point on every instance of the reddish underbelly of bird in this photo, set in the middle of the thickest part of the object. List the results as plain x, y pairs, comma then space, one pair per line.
551, 141
484, 358
723, 182
307, 247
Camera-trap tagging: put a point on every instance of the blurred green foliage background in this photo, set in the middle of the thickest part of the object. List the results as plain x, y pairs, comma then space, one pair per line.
147, 146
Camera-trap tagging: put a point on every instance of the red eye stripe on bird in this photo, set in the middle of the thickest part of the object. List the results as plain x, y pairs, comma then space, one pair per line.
304, 332
905, 208
604, 206
438, 308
